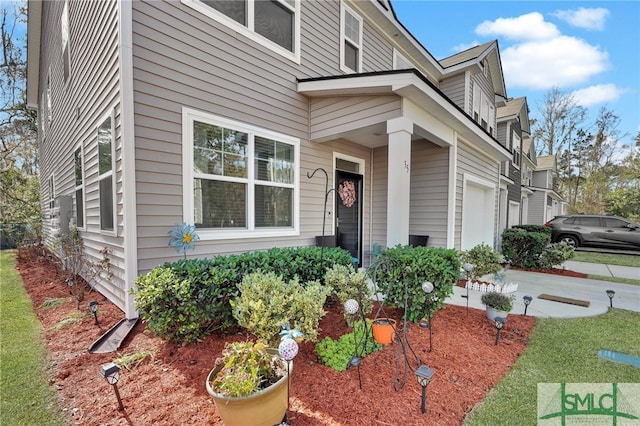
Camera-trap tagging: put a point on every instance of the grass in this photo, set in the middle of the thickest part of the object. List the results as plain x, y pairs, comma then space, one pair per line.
132, 360
561, 351
609, 259
27, 398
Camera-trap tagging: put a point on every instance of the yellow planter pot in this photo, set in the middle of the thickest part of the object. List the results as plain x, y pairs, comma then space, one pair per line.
265, 408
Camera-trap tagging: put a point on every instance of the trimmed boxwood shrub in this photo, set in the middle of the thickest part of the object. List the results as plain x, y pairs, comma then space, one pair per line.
523, 248
186, 300
413, 266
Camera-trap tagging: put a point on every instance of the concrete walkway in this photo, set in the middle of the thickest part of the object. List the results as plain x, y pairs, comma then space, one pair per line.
603, 269
626, 296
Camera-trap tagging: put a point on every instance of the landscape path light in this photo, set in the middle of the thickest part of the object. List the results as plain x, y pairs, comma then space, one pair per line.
611, 293
527, 301
111, 373
93, 307
427, 287
499, 325
424, 375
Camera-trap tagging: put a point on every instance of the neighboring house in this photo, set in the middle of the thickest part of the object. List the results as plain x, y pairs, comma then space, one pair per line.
513, 127
215, 114
544, 202
527, 167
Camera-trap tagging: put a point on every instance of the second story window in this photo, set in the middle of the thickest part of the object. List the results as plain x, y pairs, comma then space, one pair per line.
273, 23
517, 148
351, 40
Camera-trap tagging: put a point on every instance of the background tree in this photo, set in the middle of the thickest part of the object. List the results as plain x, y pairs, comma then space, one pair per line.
19, 189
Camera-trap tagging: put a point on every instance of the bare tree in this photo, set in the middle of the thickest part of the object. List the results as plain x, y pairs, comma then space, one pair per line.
560, 119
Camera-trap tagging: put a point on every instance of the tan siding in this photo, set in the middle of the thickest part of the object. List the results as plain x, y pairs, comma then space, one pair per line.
78, 106
379, 199
429, 192
454, 88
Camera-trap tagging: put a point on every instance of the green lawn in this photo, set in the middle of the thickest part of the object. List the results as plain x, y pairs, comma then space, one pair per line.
26, 397
562, 351
610, 259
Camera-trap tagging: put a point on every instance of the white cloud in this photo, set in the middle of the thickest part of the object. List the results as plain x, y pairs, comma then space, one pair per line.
590, 19
531, 26
598, 94
464, 46
562, 61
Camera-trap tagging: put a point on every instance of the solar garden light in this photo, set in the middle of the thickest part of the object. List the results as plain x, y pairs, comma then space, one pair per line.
93, 307
611, 293
468, 267
498, 323
427, 287
527, 301
111, 373
424, 375
351, 307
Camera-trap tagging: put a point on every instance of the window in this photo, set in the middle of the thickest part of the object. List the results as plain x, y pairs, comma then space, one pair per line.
52, 192
484, 112
64, 24
79, 175
272, 23
105, 174
351, 41
517, 146
242, 179
49, 112
400, 62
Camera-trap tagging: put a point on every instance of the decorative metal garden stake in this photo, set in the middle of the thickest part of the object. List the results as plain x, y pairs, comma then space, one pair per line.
499, 324
351, 307
611, 293
468, 267
527, 301
288, 349
111, 373
93, 307
427, 287
424, 375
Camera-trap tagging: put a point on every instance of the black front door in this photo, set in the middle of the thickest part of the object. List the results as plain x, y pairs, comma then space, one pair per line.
349, 213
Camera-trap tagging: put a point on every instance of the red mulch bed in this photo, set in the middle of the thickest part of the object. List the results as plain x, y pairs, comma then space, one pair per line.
169, 389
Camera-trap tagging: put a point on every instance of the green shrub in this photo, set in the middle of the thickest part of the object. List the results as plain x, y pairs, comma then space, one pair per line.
267, 302
347, 284
484, 261
498, 301
336, 354
523, 248
555, 254
535, 228
185, 301
402, 266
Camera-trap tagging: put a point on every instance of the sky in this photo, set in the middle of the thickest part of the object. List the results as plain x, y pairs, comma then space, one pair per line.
590, 49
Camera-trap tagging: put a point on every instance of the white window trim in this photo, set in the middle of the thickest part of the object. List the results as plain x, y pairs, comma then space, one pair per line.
51, 186
188, 117
65, 35
517, 150
343, 9
114, 231
248, 31
399, 57
49, 100
81, 187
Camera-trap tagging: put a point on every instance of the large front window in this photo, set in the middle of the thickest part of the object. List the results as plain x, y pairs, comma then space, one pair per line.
242, 179
273, 23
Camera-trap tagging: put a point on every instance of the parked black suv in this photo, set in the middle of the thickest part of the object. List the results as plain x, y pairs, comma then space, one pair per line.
595, 230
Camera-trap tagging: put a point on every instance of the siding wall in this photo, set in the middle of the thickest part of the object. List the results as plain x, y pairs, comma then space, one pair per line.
78, 106
183, 58
429, 192
455, 88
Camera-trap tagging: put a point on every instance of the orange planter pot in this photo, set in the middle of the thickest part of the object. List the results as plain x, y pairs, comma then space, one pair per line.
384, 330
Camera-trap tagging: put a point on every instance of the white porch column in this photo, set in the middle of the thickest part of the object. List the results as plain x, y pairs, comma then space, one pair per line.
399, 132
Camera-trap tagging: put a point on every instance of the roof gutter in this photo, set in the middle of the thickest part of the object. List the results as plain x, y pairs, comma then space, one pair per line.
34, 18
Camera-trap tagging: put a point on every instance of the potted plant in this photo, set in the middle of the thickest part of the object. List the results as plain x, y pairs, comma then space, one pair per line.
249, 385
498, 304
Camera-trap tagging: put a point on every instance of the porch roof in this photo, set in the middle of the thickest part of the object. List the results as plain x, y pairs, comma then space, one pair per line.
437, 118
